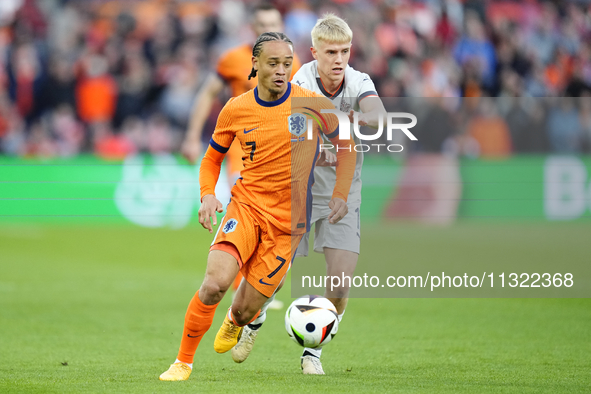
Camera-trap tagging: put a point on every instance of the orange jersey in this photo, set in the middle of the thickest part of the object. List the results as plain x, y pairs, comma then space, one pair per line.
235, 65
278, 163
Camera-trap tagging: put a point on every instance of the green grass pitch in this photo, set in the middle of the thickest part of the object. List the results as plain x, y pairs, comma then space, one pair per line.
100, 309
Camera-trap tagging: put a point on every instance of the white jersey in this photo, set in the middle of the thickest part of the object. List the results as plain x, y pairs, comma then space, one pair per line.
355, 87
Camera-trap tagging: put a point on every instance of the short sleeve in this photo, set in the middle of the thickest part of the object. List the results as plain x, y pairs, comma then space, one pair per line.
226, 67
366, 87
224, 134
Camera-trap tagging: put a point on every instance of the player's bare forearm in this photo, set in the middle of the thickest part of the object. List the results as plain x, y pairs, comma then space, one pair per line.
372, 119
191, 147
201, 109
371, 109
202, 106
207, 212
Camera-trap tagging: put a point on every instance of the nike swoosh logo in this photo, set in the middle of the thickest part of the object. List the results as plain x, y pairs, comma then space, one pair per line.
248, 131
261, 281
196, 336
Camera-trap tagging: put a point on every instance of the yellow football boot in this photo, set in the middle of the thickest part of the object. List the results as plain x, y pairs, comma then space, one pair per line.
227, 337
177, 371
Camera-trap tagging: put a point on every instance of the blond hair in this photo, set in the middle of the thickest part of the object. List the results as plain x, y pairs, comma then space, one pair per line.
331, 28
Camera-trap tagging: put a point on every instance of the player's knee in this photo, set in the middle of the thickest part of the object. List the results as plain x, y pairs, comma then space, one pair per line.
211, 292
242, 314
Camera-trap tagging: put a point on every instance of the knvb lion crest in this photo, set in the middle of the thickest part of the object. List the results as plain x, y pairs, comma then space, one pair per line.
297, 124
230, 226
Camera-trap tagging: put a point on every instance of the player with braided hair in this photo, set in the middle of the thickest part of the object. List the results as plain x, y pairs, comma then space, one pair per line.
258, 45
231, 71
268, 213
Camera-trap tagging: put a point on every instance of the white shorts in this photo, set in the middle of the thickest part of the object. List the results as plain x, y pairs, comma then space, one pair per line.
344, 235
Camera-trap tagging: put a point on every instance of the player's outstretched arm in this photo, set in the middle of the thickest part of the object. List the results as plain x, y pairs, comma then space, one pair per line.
345, 171
191, 147
371, 108
345, 164
207, 212
209, 174
211, 165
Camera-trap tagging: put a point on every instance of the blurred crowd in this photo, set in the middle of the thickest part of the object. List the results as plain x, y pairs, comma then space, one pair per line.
120, 77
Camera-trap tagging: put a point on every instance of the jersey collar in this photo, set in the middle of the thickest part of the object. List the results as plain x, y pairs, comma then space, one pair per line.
279, 101
321, 86
326, 93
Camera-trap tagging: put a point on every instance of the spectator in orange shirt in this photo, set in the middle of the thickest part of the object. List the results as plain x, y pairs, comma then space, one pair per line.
97, 93
489, 131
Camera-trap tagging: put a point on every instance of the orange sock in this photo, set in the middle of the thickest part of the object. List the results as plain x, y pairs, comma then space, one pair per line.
237, 281
197, 321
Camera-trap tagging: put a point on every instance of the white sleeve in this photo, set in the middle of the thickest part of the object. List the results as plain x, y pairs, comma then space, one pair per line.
366, 88
301, 79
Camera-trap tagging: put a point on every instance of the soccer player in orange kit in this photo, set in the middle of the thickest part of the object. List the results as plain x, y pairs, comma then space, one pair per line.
270, 206
232, 70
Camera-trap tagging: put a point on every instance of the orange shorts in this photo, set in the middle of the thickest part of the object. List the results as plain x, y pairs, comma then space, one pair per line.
265, 252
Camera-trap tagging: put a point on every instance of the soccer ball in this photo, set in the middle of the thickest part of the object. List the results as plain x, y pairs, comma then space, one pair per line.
311, 321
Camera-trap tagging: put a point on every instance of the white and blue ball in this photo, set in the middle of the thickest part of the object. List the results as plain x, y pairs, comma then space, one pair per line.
311, 321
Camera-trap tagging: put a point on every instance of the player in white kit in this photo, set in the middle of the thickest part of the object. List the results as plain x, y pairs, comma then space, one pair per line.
350, 90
